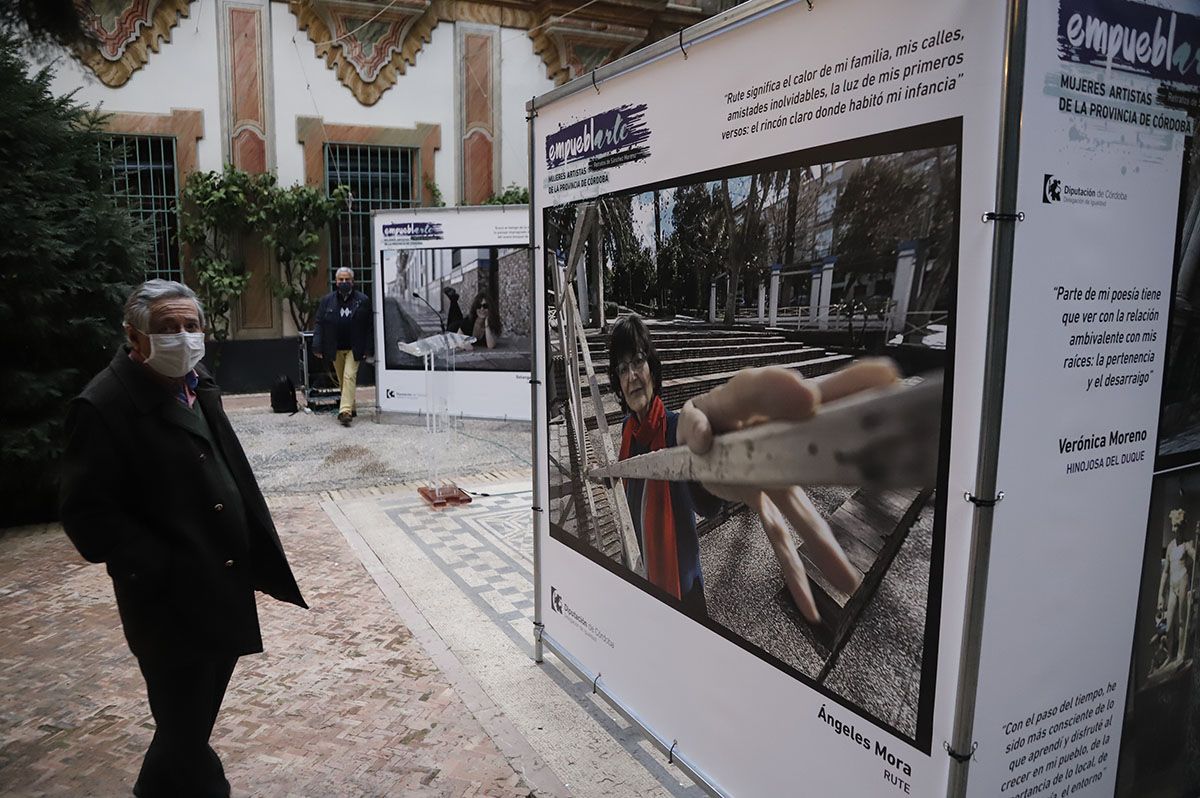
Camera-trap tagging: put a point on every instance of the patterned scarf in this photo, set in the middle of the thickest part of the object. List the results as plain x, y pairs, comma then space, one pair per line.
658, 517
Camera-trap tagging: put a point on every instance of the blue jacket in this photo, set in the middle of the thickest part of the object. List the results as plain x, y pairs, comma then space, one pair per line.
687, 500
326, 321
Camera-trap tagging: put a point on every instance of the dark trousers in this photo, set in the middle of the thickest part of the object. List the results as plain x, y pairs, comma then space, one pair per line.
185, 695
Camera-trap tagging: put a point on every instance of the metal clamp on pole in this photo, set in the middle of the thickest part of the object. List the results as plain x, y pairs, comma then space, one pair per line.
671, 753
682, 49
594, 86
539, 629
997, 216
534, 381
536, 509
979, 502
956, 756
594, 683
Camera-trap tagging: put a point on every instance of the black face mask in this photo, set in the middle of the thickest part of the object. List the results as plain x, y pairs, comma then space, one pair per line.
344, 289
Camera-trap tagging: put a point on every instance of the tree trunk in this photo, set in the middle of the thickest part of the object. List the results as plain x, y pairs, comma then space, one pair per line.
660, 280
731, 289
789, 235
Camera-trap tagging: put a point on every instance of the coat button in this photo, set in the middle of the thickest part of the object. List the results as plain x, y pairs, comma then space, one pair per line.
229, 563
203, 457
218, 507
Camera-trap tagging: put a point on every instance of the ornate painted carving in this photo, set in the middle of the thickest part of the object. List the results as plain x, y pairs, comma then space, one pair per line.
246, 100
245, 50
570, 48
369, 54
122, 33
479, 100
367, 48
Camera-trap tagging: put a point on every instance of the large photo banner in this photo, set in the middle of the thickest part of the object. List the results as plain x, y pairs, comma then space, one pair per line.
1109, 87
791, 622
463, 271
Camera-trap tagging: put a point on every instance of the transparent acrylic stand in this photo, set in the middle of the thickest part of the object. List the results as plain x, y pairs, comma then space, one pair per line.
438, 353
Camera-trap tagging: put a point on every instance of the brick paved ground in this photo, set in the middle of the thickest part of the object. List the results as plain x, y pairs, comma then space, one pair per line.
344, 702
469, 572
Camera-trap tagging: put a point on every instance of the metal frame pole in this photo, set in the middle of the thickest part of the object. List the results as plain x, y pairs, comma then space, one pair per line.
961, 746
540, 640
535, 375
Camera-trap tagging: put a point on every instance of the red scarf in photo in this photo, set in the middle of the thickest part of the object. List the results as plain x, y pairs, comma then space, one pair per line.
658, 519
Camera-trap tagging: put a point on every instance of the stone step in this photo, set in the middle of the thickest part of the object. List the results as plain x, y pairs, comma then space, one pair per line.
720, 364
659, 333
676, 391
673, 351
677, 338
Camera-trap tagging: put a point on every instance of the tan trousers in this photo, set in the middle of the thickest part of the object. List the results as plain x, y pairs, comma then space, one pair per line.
346, 369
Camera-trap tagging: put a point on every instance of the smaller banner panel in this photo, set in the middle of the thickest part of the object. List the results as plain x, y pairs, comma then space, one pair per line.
457, 270
1103, 139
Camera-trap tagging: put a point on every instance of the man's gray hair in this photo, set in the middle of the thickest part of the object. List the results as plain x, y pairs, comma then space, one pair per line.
137, 307
345, 269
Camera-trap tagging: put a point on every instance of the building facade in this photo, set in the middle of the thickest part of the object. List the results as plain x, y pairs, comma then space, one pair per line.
408, 102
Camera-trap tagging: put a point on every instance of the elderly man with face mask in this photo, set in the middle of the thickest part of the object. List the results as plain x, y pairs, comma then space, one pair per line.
156, 486
344, 336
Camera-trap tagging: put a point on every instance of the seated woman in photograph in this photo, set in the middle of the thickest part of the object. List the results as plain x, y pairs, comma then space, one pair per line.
664, 512
481, 322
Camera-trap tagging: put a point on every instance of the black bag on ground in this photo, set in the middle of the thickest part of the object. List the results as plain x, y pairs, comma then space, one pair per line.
283, 395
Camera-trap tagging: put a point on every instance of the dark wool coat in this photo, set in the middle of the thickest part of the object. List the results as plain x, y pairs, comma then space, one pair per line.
362, 335
166, 498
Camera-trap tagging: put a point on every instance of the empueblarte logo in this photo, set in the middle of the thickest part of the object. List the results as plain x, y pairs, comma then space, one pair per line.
1133, 37
412, 231
555, 600
1051, 189
607, 139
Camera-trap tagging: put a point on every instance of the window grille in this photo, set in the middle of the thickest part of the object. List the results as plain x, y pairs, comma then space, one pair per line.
143, 177
380, 178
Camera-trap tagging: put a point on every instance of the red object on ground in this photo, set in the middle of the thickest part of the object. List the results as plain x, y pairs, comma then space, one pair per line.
446, 496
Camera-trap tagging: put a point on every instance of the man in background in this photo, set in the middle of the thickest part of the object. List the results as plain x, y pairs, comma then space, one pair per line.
344, 336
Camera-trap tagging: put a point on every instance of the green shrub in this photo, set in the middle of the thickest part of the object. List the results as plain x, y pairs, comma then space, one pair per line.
69, 255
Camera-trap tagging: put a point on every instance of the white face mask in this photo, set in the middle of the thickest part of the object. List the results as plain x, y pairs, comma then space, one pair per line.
175, 354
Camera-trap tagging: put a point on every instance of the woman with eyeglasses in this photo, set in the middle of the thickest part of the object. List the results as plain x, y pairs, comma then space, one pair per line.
664, 512
482, 322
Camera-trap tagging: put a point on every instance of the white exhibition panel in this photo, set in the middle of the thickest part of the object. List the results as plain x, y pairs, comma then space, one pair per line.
474, 393
1099, 184
452, 228
751, 728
